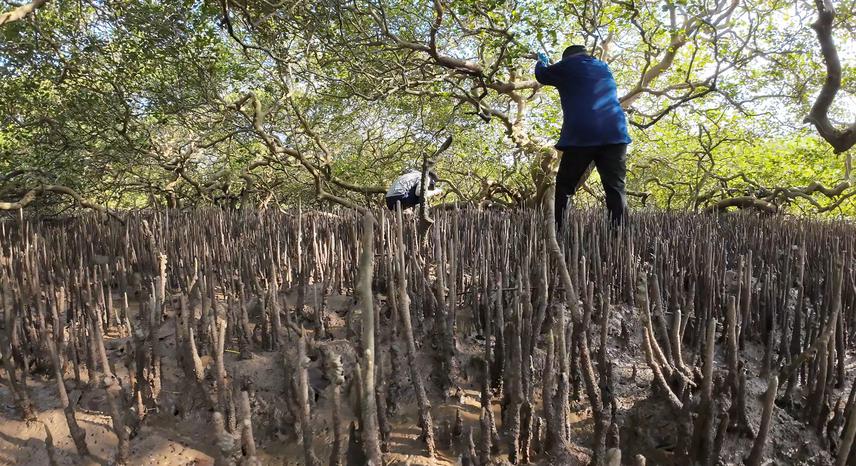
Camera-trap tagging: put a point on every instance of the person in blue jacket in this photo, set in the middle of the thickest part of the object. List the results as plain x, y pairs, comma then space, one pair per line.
594, 128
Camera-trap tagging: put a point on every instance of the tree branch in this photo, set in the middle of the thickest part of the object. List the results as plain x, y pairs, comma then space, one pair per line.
840, 140
20, 12
32, 194
743, 202
275, 148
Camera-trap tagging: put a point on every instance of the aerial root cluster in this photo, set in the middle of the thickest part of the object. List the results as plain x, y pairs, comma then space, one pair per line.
528, 336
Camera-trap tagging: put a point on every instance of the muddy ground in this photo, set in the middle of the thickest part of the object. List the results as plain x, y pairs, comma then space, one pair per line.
180, 431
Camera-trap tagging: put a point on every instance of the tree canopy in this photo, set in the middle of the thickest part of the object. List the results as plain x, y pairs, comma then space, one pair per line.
114, 105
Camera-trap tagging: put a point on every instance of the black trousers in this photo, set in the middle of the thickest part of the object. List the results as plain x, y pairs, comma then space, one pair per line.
407, 201
610, 161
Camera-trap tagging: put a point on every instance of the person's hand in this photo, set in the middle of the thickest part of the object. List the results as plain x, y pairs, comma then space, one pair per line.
542, 57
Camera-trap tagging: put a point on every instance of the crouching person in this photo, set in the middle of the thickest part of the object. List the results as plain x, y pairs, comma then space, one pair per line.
407, 189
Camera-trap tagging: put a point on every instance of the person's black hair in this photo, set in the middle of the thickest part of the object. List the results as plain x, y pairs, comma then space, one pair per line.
573, 50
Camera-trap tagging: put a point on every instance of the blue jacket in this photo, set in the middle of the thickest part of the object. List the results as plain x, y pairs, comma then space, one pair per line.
591, 113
